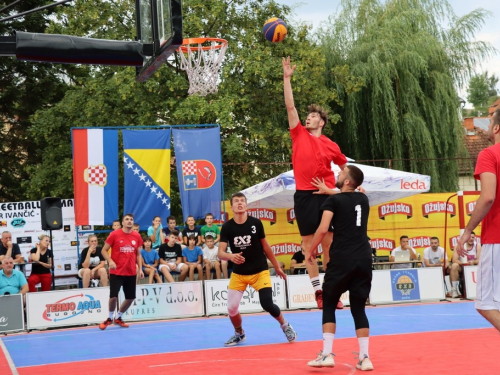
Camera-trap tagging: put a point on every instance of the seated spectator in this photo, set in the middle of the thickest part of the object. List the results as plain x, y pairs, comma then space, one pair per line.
171, 226
404, 246
191, 230
41, 264
210, 230
171, 258
10, 249
12, 281
150, 260
272, 271
473, 253
92, 264
435, 255
298, 259
193, 257
211, 259
155, 233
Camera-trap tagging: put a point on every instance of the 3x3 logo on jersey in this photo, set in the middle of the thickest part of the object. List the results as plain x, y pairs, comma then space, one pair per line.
241, 242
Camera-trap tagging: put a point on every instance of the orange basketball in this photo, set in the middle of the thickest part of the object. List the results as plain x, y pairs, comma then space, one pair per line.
275, 30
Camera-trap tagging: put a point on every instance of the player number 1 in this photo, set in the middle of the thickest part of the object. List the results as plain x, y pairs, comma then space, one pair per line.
358, 215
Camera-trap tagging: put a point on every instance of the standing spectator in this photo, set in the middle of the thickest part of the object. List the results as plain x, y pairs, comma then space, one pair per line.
116, 225
210, 229
171, 226
171, 258
150, 260
92, 263
473, 252
191, 230
41, 264
155, 233
123, 263
487, 210
12, 281
193, 258
435, 255
211, 259
10, 249
403, 246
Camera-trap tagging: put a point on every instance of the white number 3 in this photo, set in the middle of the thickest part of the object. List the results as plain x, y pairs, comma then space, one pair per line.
254, 230
358, 215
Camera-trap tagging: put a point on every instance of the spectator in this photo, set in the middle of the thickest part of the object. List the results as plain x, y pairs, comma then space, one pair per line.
150, 260
155, 233
116, 225
10, 249
191, 229
404, 246
41, 259
12, 281
193, 257
435, 255
298, 259
473, 253
171, 226
210, 229
92, 265
272, 271
136, 228
171, 258
211, 259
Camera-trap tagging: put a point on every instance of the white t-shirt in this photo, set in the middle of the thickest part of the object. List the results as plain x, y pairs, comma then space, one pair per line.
211, 254
434, 257
402, 265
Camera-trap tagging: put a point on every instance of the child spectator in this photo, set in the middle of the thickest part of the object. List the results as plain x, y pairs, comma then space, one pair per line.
155, 233
211, 259
150, 260
171, 258
171, 226
191, 230
193, 257
210, 229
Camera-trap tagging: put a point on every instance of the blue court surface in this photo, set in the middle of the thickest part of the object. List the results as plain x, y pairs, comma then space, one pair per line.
174, 336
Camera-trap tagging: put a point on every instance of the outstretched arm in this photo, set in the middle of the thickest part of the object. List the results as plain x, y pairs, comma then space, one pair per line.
293, 116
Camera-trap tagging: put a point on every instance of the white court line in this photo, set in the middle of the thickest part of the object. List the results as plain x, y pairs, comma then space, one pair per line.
8, 358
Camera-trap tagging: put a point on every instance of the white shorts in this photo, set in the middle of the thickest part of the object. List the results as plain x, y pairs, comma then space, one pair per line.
488, 278
177, 269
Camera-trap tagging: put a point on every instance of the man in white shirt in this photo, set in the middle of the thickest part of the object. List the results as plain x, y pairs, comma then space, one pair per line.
473, 249
435, 255
404, 246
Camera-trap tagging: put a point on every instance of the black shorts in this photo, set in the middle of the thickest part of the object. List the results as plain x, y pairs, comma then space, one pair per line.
307, 207
127, 282
352, 275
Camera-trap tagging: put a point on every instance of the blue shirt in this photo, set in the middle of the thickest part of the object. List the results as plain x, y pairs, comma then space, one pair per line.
150, 256
192, 255
157, 243
12, 284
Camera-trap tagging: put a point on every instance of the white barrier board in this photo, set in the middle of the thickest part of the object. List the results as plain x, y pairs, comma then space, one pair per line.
470, 276
216, 297
67, 307
301, 292
165, 301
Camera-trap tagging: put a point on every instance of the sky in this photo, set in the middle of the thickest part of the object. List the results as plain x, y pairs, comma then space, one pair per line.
316, 11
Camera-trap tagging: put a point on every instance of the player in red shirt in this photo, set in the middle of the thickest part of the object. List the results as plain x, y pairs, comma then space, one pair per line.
488, 210
312, 155
123, 262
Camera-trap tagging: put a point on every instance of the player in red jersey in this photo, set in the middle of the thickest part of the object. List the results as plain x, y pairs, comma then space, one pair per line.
312, 155
487, 210
123, 263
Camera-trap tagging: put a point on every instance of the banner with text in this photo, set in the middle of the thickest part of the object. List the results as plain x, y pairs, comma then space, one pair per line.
470, 276
301, 292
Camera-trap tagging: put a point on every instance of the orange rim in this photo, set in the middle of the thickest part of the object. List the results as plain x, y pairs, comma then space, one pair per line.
187, 42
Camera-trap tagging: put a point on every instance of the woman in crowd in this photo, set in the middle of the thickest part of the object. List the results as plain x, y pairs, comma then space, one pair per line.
41, 263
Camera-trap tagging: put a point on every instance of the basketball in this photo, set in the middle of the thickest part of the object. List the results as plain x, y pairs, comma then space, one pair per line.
275, 30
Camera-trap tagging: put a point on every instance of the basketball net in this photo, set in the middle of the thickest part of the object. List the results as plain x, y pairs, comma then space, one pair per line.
201, 58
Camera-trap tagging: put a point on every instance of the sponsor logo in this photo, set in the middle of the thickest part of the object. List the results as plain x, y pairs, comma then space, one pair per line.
405, 285
73, 243
285, 248
3, 223
395, 209
438, 207
18, 223
263, 214
3, 321
383, 243
67, 267
415, 185
290, 215
96, 175
70, 307
422, 241
67, 228
86, 227
469, 208
198, 174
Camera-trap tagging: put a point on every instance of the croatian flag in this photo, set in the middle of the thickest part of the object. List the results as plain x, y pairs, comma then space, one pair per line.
95, 176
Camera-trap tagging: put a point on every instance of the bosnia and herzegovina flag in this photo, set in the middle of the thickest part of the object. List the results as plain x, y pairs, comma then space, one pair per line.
95, 176
146, 160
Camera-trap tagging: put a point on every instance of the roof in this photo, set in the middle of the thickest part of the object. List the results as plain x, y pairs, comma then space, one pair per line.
475, 144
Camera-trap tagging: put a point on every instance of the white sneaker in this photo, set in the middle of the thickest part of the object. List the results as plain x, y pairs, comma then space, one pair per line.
322, 361
454, 293
365, 364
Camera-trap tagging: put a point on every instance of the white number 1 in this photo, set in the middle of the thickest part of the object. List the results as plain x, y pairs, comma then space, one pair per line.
358, 215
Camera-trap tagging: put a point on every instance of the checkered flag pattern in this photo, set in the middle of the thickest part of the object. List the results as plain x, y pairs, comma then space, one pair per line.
188, 167
97, 175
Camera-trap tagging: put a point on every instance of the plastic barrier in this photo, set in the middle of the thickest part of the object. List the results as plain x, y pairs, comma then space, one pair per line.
11, 313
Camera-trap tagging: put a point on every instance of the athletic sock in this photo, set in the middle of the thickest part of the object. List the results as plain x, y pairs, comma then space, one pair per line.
119, 315
316, 283
328, 343
284, 325
454, 284
111, 314
363, 347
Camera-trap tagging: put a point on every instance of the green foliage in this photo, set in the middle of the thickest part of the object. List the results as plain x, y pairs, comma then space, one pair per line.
482, 88
409, 56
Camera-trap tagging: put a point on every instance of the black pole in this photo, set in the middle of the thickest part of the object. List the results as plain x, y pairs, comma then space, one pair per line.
52, 271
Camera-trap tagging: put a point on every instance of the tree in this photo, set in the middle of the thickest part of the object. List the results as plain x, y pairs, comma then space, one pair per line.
411, 56
482, 89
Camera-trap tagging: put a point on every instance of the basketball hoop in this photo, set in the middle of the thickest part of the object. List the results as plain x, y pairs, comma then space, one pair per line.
201, 58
